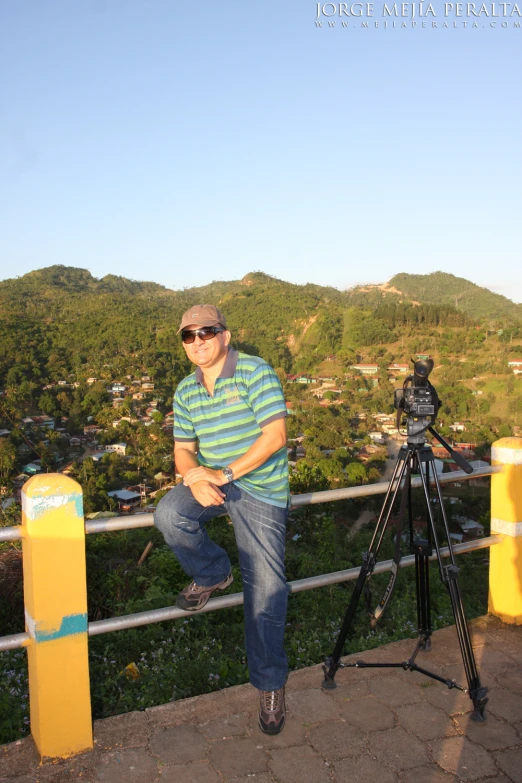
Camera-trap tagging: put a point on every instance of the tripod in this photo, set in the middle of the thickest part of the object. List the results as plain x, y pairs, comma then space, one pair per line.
415, 457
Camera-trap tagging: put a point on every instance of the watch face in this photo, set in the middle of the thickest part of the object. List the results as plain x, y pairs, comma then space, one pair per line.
227, 472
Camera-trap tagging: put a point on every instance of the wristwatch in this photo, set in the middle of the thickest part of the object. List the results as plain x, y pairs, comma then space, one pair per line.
228, 473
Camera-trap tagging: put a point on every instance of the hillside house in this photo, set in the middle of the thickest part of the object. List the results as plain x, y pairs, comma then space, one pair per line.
44, 421
400, 368
470, 527
126, 498
147, 386
117, 448
457, 426
515, 363
32, 467
117, 388
90, 381
366, 369
423, 356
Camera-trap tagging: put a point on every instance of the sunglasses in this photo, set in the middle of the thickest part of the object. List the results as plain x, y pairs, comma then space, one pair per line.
205, 333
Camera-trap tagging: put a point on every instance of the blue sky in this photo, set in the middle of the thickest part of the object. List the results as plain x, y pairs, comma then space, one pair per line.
189, 142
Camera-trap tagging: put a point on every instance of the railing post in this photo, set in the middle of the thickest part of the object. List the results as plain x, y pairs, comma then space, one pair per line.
56, 614
505, 571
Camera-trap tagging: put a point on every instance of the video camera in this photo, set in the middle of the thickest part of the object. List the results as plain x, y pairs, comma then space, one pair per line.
418, 399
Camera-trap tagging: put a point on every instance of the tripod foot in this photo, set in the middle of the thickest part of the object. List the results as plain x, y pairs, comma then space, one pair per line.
328, 685
479, 703
478, 715
329, 669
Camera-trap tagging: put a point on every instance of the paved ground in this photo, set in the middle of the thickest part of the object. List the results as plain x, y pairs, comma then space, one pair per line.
378, 725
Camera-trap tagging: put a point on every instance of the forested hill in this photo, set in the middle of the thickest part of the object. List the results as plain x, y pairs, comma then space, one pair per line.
61, 322
441, 288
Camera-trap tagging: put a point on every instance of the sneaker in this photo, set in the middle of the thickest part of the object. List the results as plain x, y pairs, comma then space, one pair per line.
272, 713
194, 597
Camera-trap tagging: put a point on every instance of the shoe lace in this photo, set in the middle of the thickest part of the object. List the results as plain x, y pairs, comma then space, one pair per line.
271, 700
194, 588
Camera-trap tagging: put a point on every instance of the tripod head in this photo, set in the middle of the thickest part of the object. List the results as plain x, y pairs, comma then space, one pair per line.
419, 401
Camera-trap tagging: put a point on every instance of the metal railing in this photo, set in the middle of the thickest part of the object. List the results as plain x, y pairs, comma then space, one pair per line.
20, 640
109, 524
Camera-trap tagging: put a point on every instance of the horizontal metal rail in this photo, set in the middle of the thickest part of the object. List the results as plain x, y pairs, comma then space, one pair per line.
236, 599
310, 498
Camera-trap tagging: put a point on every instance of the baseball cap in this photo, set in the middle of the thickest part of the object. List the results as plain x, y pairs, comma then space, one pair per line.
202, 315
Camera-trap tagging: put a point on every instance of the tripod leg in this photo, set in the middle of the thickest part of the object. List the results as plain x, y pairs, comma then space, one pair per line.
422, 551
449, 573
332, 663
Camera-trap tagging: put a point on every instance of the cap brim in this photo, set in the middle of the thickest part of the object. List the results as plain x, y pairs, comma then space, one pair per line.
203, 322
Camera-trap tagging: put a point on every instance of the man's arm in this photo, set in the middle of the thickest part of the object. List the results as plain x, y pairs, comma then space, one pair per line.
272, 438
186, 461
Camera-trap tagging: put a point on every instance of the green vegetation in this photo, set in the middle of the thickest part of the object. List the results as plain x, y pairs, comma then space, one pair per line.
443, 288
66, 337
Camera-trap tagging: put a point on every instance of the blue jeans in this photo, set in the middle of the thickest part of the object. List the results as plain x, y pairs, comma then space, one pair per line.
260, 536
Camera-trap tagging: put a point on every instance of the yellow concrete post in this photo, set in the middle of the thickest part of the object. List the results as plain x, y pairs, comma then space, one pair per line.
56, 614
505, 571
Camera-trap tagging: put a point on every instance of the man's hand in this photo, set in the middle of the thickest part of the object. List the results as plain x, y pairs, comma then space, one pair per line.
207, 494
193, 475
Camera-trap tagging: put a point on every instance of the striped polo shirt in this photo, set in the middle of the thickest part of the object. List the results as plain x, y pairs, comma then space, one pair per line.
247, 396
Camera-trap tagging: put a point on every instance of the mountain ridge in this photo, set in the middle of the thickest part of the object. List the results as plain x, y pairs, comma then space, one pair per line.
435, 288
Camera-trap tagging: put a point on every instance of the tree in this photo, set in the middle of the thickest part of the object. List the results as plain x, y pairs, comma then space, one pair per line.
307, 478
7, 457
47, 404
356, 473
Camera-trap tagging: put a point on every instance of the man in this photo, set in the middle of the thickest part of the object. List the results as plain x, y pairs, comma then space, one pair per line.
230, 448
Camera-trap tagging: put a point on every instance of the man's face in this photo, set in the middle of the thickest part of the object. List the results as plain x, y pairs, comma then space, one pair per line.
207, 353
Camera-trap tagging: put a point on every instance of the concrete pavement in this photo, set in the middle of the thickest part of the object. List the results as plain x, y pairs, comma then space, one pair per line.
380, 725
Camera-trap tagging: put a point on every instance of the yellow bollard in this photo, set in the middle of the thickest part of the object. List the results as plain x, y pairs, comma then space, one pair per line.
56, 614
505, 571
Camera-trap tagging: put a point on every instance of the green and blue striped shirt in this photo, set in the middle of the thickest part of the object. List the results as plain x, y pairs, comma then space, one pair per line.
247, 396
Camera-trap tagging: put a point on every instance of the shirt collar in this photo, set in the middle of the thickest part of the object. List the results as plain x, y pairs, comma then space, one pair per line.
229, 368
